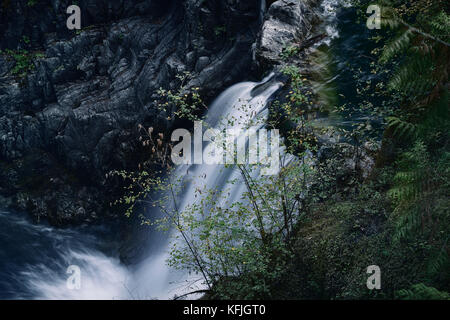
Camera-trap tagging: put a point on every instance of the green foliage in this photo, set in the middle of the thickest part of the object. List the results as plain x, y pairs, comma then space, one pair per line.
410, 186
184, 103
407, 79
396, 46
419, 188
422, 292
247, 239
420, 197
26, 40
425, 51
419, 191
441, 24
292, 112
289, 52
24, 61
401, 128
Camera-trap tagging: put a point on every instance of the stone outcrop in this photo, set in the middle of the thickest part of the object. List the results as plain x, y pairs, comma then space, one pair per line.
287, 22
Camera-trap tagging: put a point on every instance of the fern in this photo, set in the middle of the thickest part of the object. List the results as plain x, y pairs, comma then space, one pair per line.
422, 292
439, 261
396, 46
441, 25
401, 128
420, 191
410, 187
425, 63
415, 77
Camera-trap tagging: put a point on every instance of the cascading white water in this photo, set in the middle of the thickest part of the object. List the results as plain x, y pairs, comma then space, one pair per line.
35, 258
239, 105
103, 277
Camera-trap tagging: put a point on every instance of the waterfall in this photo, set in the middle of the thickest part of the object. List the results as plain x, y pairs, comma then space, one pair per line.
46, 253
244, 101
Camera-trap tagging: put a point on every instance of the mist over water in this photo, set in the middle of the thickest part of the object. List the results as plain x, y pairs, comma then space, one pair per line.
34, 261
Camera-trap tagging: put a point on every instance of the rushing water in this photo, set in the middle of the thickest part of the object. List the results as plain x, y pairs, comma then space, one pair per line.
34, 258
349, 50
238, 104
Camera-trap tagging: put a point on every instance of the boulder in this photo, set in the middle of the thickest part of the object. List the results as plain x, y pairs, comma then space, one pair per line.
286, 22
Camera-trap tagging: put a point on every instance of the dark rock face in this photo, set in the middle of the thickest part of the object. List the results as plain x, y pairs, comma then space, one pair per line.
35, 19
72, 116
286, 22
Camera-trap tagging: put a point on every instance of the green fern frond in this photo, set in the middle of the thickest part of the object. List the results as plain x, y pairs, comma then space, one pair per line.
414, 78
404, 192
401, 128
439, 262
407, 223
388, 16
396, 46
411, 187
421, 291
440, 25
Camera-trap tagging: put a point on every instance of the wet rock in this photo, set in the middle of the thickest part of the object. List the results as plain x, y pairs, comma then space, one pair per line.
286, 22
73, 116
201, 63
190, 59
